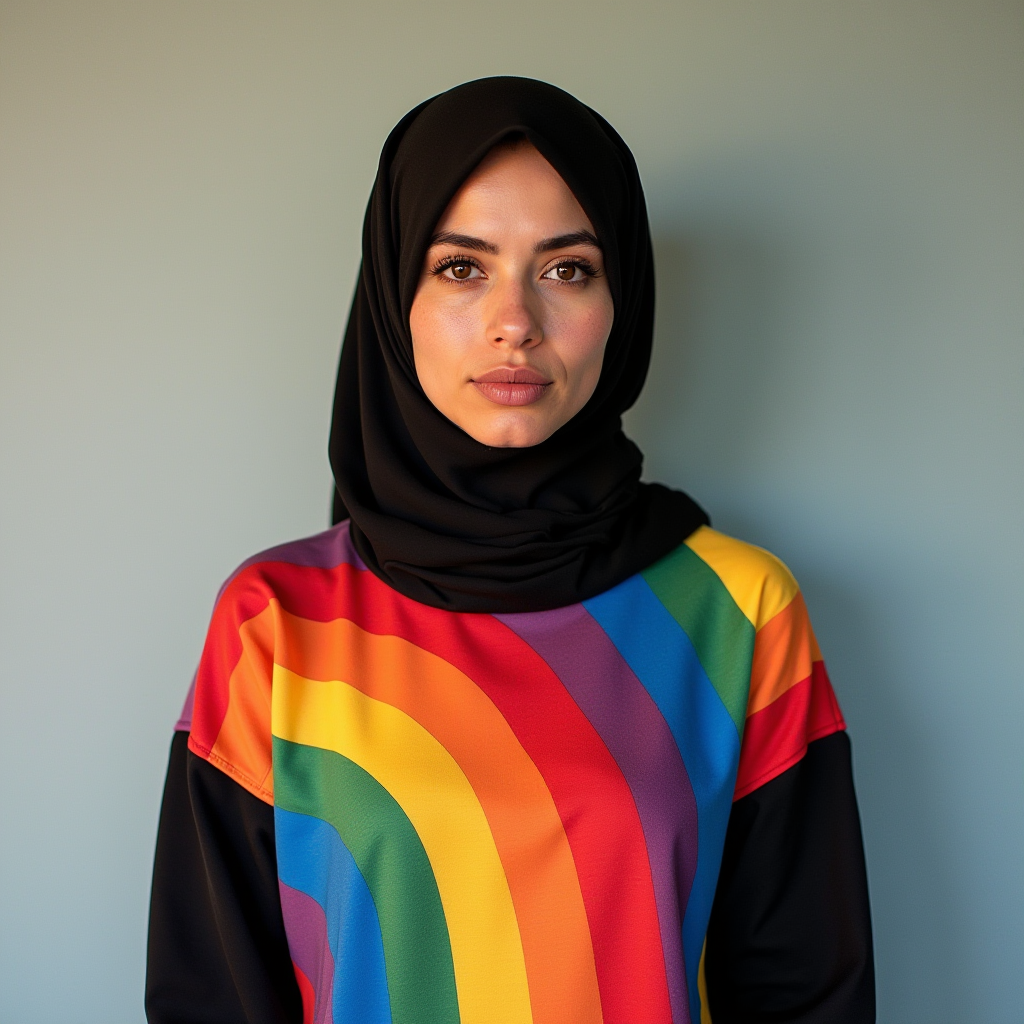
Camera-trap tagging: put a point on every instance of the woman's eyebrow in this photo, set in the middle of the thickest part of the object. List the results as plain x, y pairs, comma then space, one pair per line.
463, 242
565, 241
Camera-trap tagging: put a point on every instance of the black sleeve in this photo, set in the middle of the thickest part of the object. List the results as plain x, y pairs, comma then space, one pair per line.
789, 940
217, 947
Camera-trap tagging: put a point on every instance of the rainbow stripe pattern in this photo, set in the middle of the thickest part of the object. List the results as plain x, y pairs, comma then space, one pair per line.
503, 819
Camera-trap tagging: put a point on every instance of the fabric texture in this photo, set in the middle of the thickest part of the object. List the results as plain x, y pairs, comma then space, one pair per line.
436, 514
217, 953
767, 959
793, 869
514, 817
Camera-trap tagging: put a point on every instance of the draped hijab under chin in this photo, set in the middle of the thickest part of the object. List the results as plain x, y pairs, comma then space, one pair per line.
439, 516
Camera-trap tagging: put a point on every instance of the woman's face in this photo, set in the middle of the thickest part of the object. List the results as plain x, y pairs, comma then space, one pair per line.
512, 311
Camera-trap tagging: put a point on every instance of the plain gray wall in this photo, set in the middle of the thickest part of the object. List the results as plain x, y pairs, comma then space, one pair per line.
837, 196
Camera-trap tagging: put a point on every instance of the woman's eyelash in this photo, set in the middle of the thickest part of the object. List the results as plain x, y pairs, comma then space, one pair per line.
453, 261
588, 268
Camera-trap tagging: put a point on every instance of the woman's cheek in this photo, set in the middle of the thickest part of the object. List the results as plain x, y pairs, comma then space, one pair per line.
584, 334
441, 337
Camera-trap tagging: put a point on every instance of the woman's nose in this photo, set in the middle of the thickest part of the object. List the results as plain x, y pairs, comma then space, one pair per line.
513, 320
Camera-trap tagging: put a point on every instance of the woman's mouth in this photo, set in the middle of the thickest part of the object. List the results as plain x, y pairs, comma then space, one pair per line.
508, 386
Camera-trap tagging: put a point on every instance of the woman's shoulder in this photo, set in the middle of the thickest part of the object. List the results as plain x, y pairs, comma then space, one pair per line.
747, 619
325, 550
759, 583
227, 712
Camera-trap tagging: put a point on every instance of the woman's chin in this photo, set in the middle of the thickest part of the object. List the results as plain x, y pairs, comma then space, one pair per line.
512, 428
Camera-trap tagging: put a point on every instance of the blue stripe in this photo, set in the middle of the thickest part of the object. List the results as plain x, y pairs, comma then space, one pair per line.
312, 858
664, 659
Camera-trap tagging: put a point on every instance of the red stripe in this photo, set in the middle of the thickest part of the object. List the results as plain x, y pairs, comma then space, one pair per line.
242, 599
308, 994
776, 737
592, 797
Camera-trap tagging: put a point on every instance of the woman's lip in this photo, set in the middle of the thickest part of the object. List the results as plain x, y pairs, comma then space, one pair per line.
506, 392
511, 385
512, 375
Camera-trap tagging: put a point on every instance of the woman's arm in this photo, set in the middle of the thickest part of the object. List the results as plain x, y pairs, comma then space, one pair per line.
217, 947
789, 940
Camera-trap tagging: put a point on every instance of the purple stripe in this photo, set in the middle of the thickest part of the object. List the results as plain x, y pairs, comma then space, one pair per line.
321, 551
638, 737
324, 550
307, 942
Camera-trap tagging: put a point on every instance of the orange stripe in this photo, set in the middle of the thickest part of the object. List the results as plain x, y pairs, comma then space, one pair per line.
522, 816
784, 650
243, 744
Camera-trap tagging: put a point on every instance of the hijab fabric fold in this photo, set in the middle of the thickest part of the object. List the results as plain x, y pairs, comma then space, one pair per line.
437, 515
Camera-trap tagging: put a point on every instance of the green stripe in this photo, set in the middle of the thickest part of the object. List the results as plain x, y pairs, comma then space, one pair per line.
720, 633
384, 843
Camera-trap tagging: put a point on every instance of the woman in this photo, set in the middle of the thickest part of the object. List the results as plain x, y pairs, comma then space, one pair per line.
520, 738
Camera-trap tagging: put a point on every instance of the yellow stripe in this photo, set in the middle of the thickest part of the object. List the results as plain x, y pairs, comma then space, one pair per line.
702, 988
759, 583
429, 786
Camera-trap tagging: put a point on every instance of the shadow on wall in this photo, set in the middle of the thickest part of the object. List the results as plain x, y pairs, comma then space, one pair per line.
704, 395
714, 418
918, 921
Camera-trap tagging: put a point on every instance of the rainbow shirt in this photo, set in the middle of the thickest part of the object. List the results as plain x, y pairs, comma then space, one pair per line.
499, 819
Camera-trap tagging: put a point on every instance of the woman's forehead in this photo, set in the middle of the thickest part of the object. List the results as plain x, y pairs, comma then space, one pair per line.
515, 189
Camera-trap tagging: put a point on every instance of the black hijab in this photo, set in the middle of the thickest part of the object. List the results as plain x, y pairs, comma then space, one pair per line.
437, 515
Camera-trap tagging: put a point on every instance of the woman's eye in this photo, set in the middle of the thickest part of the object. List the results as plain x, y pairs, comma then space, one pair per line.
571, 273
460, 271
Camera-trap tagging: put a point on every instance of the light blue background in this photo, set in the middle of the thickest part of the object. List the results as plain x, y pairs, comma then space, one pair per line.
837, 196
